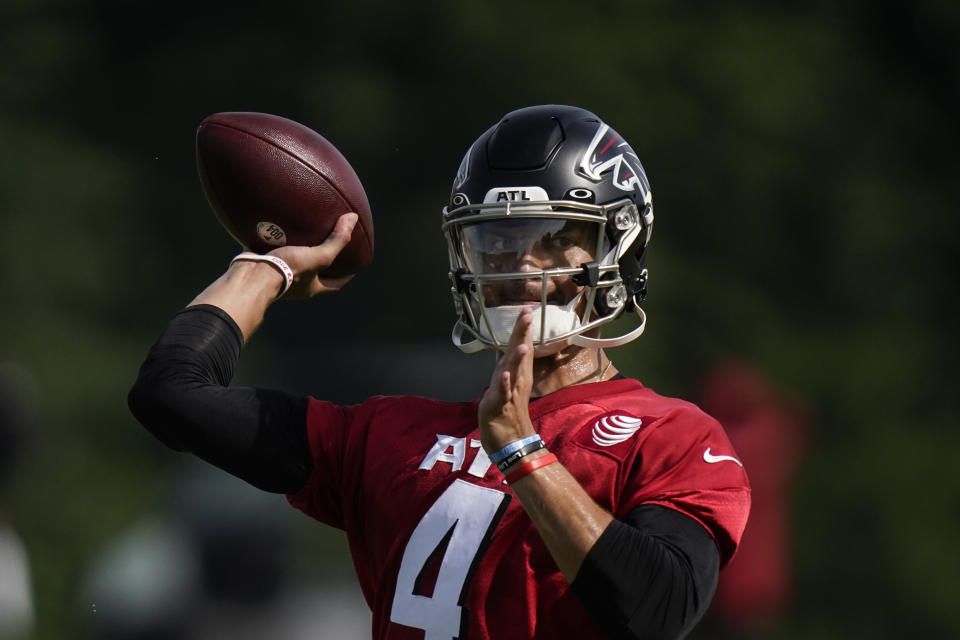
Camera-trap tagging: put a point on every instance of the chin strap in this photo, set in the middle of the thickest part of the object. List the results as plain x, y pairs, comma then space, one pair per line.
469, 347
603, 343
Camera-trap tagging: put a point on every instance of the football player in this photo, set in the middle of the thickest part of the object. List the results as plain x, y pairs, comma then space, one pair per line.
569, 501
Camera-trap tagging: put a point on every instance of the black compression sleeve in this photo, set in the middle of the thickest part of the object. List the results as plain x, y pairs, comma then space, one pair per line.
182, 396
650, 576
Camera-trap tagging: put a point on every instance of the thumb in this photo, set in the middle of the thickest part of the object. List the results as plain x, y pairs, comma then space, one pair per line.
341, 234
323, 254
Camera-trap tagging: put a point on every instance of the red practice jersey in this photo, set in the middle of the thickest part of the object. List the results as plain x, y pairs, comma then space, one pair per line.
442, 547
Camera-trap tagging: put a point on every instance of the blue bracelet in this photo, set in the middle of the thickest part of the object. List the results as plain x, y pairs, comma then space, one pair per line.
515, 457
516, 445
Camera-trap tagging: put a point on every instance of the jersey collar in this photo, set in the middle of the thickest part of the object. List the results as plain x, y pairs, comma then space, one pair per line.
580, 392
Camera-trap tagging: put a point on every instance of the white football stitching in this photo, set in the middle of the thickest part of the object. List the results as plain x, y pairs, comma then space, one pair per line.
607, 435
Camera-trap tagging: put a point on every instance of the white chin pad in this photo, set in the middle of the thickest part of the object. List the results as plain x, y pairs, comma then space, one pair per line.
558, 321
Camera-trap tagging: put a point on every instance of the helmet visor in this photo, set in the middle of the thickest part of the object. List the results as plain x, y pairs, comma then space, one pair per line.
526, 260
527, 244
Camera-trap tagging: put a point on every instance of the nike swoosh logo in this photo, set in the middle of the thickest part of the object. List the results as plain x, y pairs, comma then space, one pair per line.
709, 457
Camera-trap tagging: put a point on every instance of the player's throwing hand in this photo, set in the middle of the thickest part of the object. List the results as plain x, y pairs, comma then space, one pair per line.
250, 286
308, 263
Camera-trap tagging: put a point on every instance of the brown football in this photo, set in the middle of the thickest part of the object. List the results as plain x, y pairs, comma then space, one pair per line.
273, 182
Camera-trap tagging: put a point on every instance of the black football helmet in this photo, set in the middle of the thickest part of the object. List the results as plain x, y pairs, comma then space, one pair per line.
550, 207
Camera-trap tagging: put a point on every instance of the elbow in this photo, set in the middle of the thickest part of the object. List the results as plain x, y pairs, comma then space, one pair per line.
669, 626
653, 583
669, 619
671, 612
669, 630
151, 404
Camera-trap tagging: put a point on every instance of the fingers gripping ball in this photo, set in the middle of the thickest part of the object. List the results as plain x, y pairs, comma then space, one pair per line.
273, 182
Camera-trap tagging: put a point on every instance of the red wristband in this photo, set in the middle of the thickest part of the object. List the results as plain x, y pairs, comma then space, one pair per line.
530, 466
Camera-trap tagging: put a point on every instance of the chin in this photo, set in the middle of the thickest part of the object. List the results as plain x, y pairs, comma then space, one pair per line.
555, 349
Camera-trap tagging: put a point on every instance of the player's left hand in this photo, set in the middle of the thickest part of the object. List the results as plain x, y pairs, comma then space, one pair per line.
504, 413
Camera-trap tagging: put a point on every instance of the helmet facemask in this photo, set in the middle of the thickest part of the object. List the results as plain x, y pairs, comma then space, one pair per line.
559, 258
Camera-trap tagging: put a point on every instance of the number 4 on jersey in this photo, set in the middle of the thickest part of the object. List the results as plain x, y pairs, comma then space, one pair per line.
464, 517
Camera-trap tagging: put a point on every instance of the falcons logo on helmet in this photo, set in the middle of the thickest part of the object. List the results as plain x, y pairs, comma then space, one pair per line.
463, 173
609, 152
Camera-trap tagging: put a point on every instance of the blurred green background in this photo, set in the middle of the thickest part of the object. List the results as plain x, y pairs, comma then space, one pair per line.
804, 162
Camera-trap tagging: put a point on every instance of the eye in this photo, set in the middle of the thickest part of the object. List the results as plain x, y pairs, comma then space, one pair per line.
499, 245
561, 242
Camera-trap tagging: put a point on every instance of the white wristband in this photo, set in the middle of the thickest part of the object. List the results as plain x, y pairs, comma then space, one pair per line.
275, 261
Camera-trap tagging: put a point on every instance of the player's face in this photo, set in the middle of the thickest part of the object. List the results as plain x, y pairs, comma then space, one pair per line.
529, 245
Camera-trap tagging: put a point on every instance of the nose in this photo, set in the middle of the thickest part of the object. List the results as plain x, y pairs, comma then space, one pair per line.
537, 258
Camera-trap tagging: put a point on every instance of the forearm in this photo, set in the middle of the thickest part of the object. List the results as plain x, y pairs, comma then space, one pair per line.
568, 520
651, 575
648, 576
244, 292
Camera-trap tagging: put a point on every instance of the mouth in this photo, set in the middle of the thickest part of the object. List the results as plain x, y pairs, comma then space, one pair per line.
532, 302
525, 294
